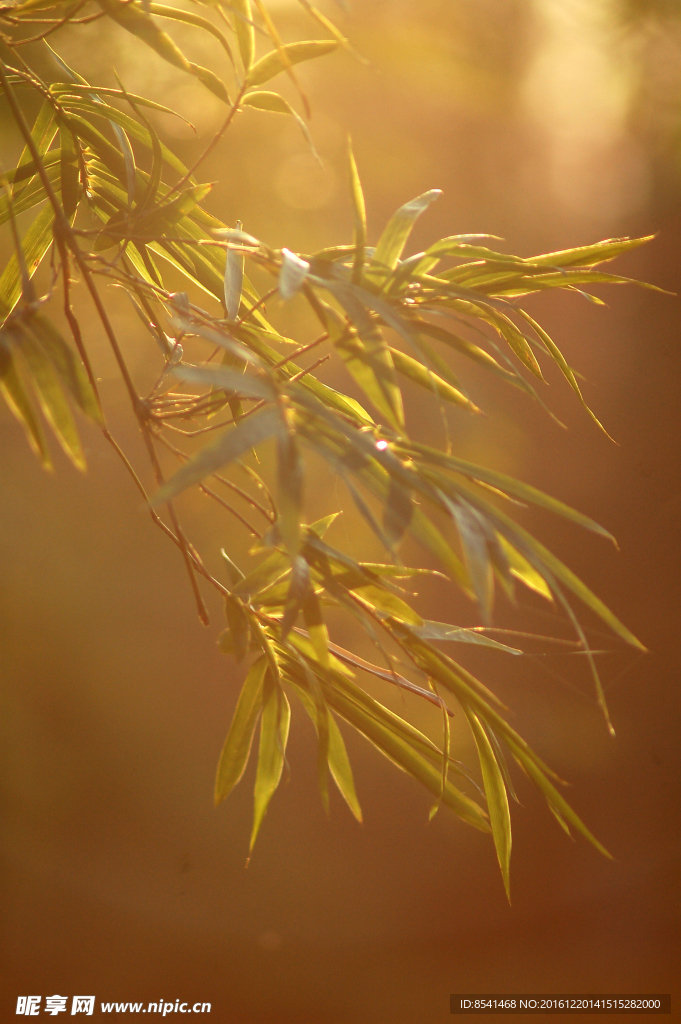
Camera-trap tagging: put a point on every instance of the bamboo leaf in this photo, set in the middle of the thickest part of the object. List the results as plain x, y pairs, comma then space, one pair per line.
189, 18
272, 63
394, 238
556, 801
276, 565
274, 727
230, 445
235, 752
526, 573
398, 512
497, 799
443, 631
506, 484
245, 31
70, 172
591, 255
292, 274
290, 483
360, 218
50, 395
67, 364
276, 104
141, 24
476, 556
234, 281
559, 358
20, 405
398, 750
425, 378
339, 763
43, 132
369, 361
36, 242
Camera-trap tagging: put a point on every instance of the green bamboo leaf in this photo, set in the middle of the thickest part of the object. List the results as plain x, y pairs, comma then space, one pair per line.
389, 741
271, 569
556, 801
234, 756
274, 727
176, 14
111, 158
518, 343
14, 393
166, 215
526, 573
328, 25
276, 104
473, 537
366, 353
559, 358
455, 244
245, 31
338, 682
590, 255
142, 25
234, 281
77, 92
503, 482
293, 594
33, 191
425, 378
548, 566
360, 218
444, 631
272, 64
290, 484
394, 238
230, 445
70, 172
49, 393
387, 604
67, 364
497, 799
467, 348
235, 573
339, 763
369, 361
398, 511
43, 132
36, 242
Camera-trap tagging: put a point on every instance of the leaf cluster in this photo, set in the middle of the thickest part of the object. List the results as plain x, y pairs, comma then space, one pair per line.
115, 207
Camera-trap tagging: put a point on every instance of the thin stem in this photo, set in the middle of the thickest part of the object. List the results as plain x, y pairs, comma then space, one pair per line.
211, 145
56, 25
228, 483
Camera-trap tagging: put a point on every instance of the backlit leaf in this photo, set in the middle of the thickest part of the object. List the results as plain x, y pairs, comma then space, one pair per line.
234, 756
394, 238
497, 799
272, 64
274, 727
230, 445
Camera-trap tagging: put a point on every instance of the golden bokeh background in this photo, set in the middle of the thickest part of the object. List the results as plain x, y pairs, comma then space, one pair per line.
551, 123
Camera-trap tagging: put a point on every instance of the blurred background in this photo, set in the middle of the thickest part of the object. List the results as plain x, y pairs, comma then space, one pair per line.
551, 123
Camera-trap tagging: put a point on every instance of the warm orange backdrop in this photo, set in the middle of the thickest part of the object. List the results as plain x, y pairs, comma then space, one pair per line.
550, 124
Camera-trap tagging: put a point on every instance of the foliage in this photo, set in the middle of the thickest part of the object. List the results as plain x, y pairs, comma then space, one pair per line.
114, 206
